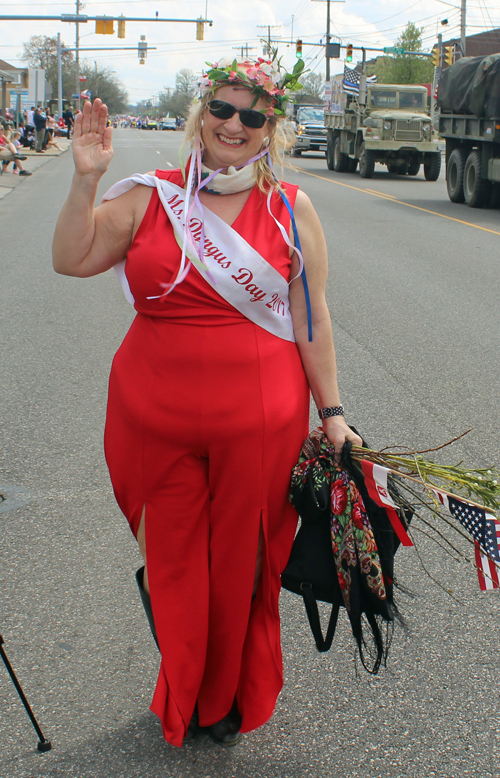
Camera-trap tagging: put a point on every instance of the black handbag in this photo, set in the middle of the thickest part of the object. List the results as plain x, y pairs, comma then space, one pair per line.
312, 570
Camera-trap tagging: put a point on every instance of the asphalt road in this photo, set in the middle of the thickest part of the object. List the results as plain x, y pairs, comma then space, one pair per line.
413, 292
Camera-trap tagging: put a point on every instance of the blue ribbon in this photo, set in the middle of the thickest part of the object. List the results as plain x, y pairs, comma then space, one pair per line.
303, 274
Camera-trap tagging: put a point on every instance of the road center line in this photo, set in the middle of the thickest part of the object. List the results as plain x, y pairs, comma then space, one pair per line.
401, 202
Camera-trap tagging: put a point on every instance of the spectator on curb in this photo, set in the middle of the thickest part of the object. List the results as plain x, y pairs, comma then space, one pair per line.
27, 138
69, 119
8, 152
40, 125
30, 119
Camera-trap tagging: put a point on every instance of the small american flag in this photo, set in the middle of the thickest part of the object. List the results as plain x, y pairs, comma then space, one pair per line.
485, 529
351, 80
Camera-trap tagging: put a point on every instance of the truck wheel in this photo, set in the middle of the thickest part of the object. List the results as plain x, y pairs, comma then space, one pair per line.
340, 160
391, 168
432, 167
353, 164
296, 152
414, 168
477, 190
329, 155
366, 162
455, 176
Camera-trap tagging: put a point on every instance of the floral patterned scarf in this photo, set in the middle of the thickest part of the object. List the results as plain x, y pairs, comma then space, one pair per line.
322, 488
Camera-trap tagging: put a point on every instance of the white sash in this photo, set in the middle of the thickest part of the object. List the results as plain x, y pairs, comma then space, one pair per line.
246, 280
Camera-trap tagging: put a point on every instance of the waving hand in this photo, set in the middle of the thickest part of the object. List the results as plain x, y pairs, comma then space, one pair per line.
92, 149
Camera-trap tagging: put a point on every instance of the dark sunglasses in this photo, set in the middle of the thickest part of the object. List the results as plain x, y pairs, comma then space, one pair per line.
248, 117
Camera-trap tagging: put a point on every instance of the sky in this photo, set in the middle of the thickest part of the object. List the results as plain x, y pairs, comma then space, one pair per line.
236, 23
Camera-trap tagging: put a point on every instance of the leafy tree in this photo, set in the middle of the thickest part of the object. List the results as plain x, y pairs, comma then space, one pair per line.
40, 51
405, 69
104, 83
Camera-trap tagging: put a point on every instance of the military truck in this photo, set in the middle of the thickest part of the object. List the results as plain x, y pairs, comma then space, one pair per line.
386, 123
309, 129
469, 121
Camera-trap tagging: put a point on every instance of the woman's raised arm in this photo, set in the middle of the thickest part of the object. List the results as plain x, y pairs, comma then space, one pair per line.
87, 241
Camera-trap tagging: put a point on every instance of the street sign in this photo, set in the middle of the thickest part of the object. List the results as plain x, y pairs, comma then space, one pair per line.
394, 50
82, 78
19, 90
75, 97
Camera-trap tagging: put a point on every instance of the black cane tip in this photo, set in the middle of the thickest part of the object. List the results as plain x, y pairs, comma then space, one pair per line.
44, 745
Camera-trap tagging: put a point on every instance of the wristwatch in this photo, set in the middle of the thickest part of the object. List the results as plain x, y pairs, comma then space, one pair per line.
325, 413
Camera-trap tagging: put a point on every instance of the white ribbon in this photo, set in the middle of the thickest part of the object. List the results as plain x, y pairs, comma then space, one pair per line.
249, 283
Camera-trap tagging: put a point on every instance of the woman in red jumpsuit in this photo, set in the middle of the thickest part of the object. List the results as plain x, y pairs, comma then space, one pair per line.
209, 392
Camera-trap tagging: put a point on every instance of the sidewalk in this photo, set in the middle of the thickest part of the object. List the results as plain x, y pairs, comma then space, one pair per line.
34, 161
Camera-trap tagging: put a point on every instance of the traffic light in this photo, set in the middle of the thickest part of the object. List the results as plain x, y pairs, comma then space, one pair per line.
348, 54
298, 50
142, 50
121, 28
200, 29
448, 57
104, 27
435, 56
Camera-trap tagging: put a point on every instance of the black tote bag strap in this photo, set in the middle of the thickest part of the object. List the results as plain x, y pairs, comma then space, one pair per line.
322, 643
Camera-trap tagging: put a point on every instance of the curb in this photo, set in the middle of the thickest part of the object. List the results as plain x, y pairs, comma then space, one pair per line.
34, 161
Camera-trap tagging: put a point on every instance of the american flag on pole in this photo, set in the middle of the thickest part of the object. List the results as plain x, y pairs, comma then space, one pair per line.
350, 82
485, 529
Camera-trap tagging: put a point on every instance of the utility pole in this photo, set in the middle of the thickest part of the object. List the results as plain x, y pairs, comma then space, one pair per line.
245, 50
59, 76
463, 12
77, 52
327, 39
268, 27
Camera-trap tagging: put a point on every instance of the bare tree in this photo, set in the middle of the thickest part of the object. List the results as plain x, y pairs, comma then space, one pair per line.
40, 51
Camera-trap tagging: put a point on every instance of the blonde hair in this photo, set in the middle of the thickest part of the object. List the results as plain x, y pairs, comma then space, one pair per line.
281, 139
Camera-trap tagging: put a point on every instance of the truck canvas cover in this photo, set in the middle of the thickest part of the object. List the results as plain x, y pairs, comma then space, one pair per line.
471, 85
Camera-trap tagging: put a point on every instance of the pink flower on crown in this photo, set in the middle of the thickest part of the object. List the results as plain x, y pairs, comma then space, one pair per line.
270, 111
233, 74
253, 73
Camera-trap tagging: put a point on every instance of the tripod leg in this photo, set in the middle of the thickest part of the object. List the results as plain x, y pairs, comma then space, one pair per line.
42, 745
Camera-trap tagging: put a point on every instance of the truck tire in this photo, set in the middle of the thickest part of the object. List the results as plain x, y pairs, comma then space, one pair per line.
296, 152
455, 176
353, 164
414, 168
329, 154
477, 190
432, 167
366, 162
340, 160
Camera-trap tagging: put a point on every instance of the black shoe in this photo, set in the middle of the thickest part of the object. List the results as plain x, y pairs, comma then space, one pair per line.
146, 602
40, 151
20, 156
226, 732
193, 727
25, 173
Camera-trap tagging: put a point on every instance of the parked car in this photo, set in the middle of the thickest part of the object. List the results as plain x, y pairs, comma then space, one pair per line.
150, 125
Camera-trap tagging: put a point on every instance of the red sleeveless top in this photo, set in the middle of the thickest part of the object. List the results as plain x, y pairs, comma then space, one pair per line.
154, 258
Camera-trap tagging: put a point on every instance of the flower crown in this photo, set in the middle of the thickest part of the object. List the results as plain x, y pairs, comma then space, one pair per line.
264, 77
